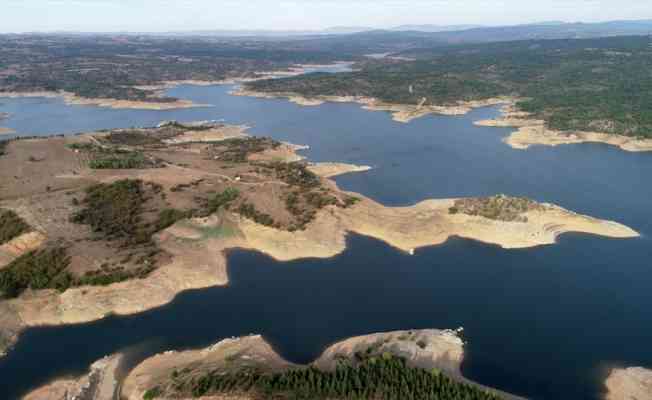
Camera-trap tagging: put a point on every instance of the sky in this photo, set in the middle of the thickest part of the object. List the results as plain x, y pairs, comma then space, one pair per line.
188, 15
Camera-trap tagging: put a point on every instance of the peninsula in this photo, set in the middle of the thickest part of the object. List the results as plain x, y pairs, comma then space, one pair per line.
121, 221
248, 368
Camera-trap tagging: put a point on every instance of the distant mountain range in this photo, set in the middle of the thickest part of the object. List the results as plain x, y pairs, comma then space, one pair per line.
462, 33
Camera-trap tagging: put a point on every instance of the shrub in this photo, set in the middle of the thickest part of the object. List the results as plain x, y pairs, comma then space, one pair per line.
11, 226
39, 269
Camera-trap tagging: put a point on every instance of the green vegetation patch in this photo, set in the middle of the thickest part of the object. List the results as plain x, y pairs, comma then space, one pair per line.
237, 150
295, 174
11, 226
248, 210
221, 200
387, 377
110, 157
122, 160
502, 208
107, 276
114, 210
131, 138
39, 269
152, 393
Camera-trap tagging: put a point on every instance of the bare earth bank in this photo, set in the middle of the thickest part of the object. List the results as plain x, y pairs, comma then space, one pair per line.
99, 384
534, 132
633, 383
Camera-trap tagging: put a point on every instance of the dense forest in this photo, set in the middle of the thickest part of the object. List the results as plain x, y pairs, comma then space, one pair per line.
376, 377
592, 84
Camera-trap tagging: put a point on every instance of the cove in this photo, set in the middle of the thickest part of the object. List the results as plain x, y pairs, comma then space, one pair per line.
541, 322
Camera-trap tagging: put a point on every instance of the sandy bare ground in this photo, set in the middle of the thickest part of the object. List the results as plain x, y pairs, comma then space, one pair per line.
534, 132
633, 383
332, 169
210, 135
19, 246
99, 384
424, 224
156, 370
442, 349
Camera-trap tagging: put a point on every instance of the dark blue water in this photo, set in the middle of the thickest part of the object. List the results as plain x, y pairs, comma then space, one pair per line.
541, 322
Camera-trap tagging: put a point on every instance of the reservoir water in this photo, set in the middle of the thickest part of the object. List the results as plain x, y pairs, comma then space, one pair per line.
544, 323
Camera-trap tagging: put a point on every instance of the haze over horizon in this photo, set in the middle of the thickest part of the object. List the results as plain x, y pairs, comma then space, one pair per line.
20, 16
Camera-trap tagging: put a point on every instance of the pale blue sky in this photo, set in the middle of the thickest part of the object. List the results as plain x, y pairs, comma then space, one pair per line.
167, 15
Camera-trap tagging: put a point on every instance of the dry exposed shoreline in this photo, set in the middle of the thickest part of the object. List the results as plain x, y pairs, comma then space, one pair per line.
199, 261
428, 349
629, 383
530, 131
406, 228
400, 112
100, 383
534, 132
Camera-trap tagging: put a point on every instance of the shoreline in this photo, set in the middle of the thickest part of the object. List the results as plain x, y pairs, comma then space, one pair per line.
531, 132
404, 113
199, 261
430, 224
73, 99
100, 383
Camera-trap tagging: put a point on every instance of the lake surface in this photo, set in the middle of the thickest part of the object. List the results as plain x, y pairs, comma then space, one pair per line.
543, 322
